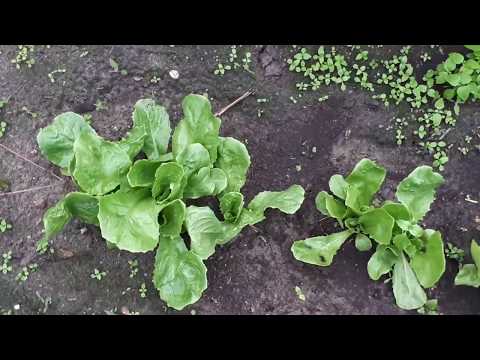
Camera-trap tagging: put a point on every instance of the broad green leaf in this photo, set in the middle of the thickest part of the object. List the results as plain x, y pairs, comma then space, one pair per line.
475, 48
338, 186
429, 264
408, 293
130, 220
57, 139
142, 173
321, 202
193, 157
205, 230
83, 206
475, 251
287, 201
457, 58
378, 224
205, 182
54, 220
363, 242
198, 125
335, 208
231, 205
156, 123
468, 276
365, 180
463, 92
381, 262
134, 142
168, 184
319, 250
234, 159
401, 241
172, 217
179, 275
417, 191
99, 164
397, 211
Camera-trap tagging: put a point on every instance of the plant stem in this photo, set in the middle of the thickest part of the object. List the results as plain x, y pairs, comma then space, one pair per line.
29, 161
27, 190
244, 96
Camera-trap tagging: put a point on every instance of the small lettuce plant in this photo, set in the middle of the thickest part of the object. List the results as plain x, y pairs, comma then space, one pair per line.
412, 254
137, 190
469, 274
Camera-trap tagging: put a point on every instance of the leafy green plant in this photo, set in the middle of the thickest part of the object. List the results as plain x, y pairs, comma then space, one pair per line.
469, 274
414, 255
3, 128
430, 308
140, 205
454, 253
6, 267
97, 274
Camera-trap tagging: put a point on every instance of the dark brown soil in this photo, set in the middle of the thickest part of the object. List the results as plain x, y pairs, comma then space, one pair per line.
256, 274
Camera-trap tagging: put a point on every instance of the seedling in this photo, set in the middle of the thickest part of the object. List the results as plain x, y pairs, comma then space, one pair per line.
3, 128
143, 205
116, 67
100, 105
4, 225
454, 253
300, 293
6, 267
133, 267
31, 113
24, 55
97, 274
430, 308
23, 275
143, 291
414, 255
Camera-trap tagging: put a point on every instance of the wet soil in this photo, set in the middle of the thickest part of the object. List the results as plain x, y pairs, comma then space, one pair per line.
304, 143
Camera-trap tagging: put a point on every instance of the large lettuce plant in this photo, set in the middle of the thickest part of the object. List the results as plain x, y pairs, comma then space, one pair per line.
414, 255
141, 205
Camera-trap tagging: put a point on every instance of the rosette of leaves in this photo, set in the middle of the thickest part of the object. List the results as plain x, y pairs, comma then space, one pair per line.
402, 247
469, 274
137, 190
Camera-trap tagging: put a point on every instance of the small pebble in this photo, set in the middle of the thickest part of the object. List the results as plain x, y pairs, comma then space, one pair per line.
174, 74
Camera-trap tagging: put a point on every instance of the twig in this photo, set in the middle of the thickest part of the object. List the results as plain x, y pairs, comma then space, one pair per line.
226, 108
30, 161
444, 134
27, 190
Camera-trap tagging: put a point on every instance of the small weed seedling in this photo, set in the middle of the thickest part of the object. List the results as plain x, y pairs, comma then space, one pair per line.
454, 253
143, 291
3, 128
23, 275
97, 274
25, 55
430, 308
28, 112
6, 267
300, 293
4, 225
100, 105
133, 267
401, 246
116, 67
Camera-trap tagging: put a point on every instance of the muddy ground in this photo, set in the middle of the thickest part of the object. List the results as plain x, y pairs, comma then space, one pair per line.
256, 274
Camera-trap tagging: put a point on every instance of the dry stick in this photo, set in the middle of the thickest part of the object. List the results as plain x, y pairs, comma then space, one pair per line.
27, 190
226, 108
30, 161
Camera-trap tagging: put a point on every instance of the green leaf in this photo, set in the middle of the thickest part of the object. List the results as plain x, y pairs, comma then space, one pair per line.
199, 125
168, 183
378, 224
417, 191
130, 220
142, 173
381, 262
365, 180
233, 158
401, 241
156, 123
287, 201
468, 276
205, 230
134, 142
54, 220
205, 182
408, 293
439, 104
83, 206
231, 205
319, 250
475, 251
338, 186
475, 48
429, 264
56, 140
396, 210
99, 164
321, 202
362, 242
463, 92
179, 275
457, 58
193, 157
172, 216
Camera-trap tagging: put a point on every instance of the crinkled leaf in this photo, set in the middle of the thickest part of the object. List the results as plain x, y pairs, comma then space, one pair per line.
193, 157
401, 241
363, 242
338, 186
417, 191
409, 295
378, 224
57, 139
366, 178
83, 206
179, 275
156, 123
99, 164
381, 262
168, 183
319, 250
231, 205
130, 220
172, 217
198, 125
205, 230
234, 159
142, 173
468, 276
396, 210
429, 264
205, 182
